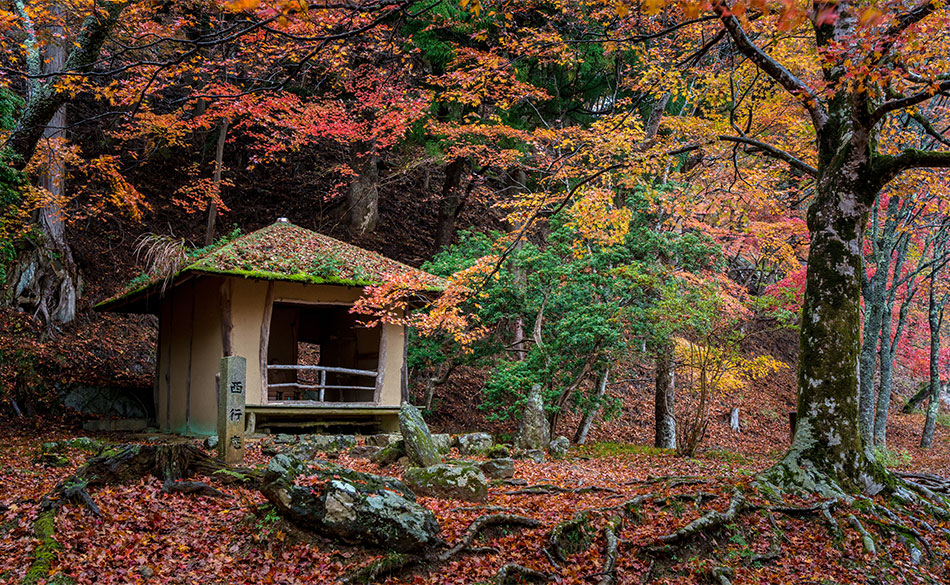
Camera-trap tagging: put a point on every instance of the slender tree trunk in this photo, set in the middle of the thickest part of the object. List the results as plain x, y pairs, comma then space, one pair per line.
935, 321
451, 203
889, 344
216, 182
887, 377
873, 316
363, 198
580, 437
873, 292
665, 399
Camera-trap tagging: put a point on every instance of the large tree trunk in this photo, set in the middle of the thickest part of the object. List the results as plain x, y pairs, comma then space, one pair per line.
43, 104
451, 203
828, 454
45, 279
665, 417
363, 199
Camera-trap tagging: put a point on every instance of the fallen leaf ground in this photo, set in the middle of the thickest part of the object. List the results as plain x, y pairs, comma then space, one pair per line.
146, 536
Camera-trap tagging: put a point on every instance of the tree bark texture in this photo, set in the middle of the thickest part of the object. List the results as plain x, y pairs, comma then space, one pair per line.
45, 279
451, 203
216, 182
43, 105
580, 437
363, 197
935, 321
665, 400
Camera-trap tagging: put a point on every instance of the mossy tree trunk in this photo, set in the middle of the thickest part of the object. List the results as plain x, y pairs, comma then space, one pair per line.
828, 453
664, 402
45, 278
874, 290
363, 196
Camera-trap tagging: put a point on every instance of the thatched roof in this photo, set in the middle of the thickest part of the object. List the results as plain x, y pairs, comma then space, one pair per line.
280, 251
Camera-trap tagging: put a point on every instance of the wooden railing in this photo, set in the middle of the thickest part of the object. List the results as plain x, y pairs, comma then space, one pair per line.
321, 386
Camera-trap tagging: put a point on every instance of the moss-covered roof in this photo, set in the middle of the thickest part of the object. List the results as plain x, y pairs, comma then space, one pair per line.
282, 251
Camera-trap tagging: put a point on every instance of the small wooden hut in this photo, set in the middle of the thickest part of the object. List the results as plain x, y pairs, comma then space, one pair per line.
281, 298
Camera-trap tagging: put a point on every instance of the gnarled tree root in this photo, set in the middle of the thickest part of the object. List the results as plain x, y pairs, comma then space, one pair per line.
513, 573
121, 464
379, 569
707, 523
483, 522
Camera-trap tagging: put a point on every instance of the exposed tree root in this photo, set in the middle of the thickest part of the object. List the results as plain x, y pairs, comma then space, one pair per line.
124, 463
394, 564
933, 483
378, 570
722, 575
512, 574
610, 551
121, 464
549, 489
669, 481
867, 541
707, 523
483, 522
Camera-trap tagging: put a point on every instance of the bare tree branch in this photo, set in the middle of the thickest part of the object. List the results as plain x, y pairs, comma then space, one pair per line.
770, 66
907, 101
891, 166
767, 149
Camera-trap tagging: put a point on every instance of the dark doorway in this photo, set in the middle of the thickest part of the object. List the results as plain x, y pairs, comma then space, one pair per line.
321, 354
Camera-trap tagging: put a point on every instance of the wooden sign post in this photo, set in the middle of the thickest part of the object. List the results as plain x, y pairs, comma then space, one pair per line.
231, 392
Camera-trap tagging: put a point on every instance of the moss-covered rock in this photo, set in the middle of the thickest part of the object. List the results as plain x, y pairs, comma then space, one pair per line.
389, 454
500, 468
559, 446
498, 452
535, 429
474, 443
420, 448
383, 440
455, 482
350, 506
443, 442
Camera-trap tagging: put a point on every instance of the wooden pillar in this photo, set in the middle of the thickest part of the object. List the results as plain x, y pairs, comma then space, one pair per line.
231, 394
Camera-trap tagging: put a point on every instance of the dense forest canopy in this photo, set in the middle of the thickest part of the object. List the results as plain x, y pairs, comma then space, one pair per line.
608, 188
778, 159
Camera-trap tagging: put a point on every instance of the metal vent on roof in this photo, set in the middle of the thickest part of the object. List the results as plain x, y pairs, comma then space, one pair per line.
282, 220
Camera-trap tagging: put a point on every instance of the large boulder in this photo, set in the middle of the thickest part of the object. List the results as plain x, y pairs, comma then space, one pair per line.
452, 482
443, 442
474, 443
383, 440
534, 432
559, 446
420, 448
501, 468
389, 454
349, 505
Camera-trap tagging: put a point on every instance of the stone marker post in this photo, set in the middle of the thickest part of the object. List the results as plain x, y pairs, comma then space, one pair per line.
231, 392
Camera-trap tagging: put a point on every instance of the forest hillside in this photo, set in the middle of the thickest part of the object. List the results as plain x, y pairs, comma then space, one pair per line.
474, 291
